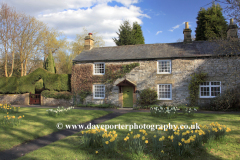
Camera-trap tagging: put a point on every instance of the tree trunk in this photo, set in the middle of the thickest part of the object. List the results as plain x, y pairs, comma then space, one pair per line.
13, 56
25, 68
21, 68
5, 66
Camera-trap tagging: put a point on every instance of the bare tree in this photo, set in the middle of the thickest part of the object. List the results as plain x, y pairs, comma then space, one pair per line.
9, 21
28, 42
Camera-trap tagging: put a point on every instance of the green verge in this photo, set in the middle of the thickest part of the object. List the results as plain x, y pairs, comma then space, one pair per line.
36, 123
71, 148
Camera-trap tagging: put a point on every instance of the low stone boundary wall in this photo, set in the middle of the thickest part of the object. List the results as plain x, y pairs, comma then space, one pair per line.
18, 99
23, 99
56, 102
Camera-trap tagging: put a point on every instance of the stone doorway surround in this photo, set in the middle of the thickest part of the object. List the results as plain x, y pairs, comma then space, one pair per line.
126, 83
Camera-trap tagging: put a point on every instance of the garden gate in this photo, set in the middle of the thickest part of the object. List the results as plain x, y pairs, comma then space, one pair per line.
35, 98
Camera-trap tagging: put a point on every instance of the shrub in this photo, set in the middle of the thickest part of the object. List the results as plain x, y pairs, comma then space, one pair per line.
56, 95
147, 97
228, 100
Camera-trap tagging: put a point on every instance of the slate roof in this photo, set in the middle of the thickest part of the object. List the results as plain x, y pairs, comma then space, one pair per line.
147, 51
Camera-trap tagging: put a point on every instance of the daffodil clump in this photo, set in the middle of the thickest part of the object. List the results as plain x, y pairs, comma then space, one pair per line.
157, 140
215, 130
165, 111
136, 141
189, 111
11, 120
109, 141
4, 108
59, 111
93, 138
179, 140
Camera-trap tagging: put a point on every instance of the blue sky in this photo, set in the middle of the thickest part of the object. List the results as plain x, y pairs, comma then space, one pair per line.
162, 21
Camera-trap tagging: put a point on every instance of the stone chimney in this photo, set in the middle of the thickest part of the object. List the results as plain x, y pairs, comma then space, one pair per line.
187, 34
232, 30
88, 45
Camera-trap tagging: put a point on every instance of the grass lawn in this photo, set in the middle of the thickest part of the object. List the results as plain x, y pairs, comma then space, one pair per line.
37, 123
70, 148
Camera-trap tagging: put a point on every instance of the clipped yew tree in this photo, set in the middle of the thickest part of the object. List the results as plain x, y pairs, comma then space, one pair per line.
26, 84
147, 97
49, 65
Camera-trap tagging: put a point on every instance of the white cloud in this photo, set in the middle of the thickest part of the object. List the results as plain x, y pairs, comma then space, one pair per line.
158, 32
48, 6
70, 17
175, 27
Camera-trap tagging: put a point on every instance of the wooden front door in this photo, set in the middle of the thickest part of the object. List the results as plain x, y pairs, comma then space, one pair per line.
35, 98
128, 97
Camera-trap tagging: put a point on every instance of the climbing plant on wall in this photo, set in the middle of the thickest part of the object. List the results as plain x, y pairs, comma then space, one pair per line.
83, 78
193, 87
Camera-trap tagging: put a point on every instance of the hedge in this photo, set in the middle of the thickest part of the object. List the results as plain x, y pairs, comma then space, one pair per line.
56, 95
26, 84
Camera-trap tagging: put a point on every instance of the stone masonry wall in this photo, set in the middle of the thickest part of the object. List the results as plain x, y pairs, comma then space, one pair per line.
17, 99
56, 102
145, 75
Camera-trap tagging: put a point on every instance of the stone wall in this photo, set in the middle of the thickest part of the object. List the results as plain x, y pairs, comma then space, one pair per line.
56, 102
145, 75
17, 99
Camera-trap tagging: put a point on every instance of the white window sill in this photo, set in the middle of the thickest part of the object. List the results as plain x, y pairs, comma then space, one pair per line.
164, 99
98, 74
98, 98
164, 73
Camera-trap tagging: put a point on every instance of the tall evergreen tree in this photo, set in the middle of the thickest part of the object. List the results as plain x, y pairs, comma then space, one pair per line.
128, 35
211, 24
137, 33
49, 64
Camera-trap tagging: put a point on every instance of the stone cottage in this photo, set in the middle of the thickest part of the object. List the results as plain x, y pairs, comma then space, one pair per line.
164, 67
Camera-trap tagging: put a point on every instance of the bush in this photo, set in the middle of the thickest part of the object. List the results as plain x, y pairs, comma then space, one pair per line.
147, 97
57, 95
228, 100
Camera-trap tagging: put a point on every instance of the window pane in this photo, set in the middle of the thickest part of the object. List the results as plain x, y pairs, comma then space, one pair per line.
164, 66
99, 91
215, 91
99, 68
164, 91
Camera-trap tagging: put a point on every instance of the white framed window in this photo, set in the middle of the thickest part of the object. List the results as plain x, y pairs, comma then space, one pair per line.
164, 91
98, 91
164, 67
99, 68
209, 89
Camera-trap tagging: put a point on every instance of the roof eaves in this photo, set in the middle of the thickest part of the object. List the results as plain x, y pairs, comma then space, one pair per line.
136, 59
